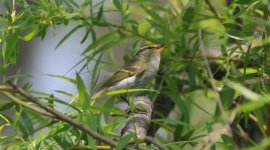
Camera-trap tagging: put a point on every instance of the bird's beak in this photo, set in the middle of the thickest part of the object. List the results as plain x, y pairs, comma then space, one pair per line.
160, 48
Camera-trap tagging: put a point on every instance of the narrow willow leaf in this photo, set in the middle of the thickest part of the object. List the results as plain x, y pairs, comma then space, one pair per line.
240, 35
242, 1
84, 96
100, 13
67, 35
91, 122
54, 99
86, 35
188, 17
250, 95
6, 106
12, 47
99, 41
26, 121
3, 118
117, 92
117, 4
154, 15
95, 76
66, 93
64, 78
109, 128
17, 115
123, 141
62, 141
249, 106
7, 6
32, 34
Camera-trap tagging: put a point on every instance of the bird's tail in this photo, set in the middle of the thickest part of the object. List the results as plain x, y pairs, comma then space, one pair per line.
100, 91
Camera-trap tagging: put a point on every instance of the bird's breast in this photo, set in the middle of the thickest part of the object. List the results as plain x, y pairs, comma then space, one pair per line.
126, 83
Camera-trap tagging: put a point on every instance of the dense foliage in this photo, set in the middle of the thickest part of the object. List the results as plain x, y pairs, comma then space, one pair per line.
213, 78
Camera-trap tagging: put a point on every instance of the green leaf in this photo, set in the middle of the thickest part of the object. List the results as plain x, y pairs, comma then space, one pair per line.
110, 128
12, 47
123, 141
91, 122
32, 34
117, 92
7, 6
17, 114
228, 141
86, 35
250, 95
242, 1
64, 78
66, 93
99, 41
240, 35
154, 15
100, 13
249, 106
71, 15
95, 73
27, 123
188, 17
62, 141
84, 96
54, 99
117, 4
227, 96
4, 119
6, 106
67, 35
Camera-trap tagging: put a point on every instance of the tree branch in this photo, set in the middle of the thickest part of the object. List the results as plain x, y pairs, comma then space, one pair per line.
24, 104
61, 117
210, 74
212, 8
150, 139
140, 121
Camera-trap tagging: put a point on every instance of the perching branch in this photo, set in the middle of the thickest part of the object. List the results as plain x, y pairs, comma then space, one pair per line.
140, 121
60, 116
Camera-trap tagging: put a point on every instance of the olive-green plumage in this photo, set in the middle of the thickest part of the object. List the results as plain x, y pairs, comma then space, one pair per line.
136, 73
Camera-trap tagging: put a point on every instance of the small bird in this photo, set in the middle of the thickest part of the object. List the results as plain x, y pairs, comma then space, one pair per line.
136, 73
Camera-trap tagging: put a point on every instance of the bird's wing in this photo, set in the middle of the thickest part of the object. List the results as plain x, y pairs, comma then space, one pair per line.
125, 72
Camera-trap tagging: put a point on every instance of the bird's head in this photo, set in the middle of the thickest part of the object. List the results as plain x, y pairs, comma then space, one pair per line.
151, 49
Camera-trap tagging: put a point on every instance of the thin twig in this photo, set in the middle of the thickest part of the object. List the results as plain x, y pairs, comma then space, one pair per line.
234, 59
13, 7
212, 8
210, 74
156, 143
61, 117
24, 104
4, 88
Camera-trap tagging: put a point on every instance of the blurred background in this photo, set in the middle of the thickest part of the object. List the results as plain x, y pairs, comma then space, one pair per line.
56, 39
